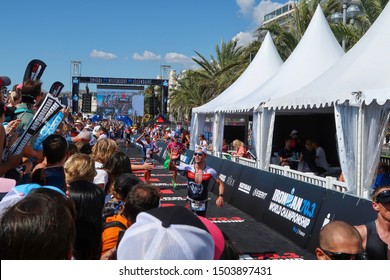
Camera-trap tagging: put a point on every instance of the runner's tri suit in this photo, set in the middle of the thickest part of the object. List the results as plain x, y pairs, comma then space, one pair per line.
148, 149
175, 151
376, 249
127, 135
198, 193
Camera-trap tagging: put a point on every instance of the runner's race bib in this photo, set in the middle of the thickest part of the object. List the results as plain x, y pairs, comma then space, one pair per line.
198, 205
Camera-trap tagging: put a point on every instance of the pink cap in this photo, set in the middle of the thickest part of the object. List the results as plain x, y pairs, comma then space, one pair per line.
216, 233
19, 86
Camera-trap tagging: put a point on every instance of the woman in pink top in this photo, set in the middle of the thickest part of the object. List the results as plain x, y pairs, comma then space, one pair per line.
241, 150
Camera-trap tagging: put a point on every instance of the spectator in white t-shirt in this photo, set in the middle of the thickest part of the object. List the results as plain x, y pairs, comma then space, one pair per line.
202, 141
101, 152
320, 156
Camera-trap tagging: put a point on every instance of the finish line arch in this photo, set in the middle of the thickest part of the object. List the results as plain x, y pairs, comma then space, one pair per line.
77, 80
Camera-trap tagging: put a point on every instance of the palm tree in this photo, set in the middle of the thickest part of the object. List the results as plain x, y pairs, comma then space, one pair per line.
351, 33
219, 72
214, 75
287, 37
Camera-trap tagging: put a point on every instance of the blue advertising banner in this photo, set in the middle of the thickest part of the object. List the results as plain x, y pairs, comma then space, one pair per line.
230, 175
187, 156
254, 191
160, 156
215, 163
293, 208
341, 207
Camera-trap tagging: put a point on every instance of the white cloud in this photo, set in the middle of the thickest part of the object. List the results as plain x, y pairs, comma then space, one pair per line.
244, 38
248, 7
179, 59
147, 55
264, 7
103, 55
245, 6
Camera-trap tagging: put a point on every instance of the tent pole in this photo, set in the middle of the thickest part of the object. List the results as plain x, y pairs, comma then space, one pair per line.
258, 137
360, 153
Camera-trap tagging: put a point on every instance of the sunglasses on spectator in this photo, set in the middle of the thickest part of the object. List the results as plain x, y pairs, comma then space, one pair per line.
383, 197
345, 256
198, 154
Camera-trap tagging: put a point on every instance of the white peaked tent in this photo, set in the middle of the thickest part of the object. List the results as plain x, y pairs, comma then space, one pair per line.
264, 65
351, 86
266, 62
316, 52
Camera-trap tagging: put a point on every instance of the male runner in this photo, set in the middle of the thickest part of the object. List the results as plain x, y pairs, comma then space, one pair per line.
149, 148
199, 176
127, 136
376, 234
174, 150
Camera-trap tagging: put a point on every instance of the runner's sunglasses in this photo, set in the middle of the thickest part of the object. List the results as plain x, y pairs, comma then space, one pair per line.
345, 256
383, 197
198, 154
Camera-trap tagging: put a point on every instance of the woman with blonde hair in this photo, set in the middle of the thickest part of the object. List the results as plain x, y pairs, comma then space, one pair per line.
101, 152
241, 150
79, 167
15, 97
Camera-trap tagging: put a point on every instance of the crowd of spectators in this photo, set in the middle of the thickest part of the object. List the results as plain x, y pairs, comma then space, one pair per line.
76, 195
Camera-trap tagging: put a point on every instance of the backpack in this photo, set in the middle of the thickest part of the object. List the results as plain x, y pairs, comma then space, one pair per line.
118, 224
20, 111
112, 232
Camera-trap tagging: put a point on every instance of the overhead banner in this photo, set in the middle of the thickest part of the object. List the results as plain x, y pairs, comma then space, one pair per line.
126, 101
293, 208
341, 207
254, 191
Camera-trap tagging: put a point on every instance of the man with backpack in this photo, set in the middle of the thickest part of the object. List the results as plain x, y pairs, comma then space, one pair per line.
31, 94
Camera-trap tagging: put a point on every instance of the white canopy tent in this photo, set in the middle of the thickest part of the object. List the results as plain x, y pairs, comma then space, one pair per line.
358, 87
266, 62
316, 52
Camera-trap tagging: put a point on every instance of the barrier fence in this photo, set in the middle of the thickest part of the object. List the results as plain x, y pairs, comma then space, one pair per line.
293, 203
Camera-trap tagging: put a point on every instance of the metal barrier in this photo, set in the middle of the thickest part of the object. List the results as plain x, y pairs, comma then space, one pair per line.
327, 182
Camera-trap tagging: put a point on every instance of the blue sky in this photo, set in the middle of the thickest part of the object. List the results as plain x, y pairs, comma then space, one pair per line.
120, 38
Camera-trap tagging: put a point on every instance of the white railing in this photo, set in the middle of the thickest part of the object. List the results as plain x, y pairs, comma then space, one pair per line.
245, 161
385, 159
327, 182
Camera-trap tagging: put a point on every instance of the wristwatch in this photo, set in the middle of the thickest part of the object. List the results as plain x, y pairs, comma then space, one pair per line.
221, 195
